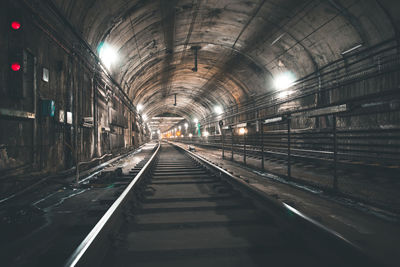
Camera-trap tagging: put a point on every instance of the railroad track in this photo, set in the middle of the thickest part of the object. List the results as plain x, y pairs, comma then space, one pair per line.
181, 210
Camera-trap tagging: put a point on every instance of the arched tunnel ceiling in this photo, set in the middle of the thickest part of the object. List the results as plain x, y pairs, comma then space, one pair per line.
244, 44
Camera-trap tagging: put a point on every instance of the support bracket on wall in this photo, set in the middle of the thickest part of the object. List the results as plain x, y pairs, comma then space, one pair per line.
17, 113
196, 49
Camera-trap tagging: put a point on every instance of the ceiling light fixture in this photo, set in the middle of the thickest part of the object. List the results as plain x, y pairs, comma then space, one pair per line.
218, 110
284, 80
351, 49
278, 38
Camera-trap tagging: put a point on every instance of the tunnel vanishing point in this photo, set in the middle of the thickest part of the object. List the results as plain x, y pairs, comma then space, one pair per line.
305, 92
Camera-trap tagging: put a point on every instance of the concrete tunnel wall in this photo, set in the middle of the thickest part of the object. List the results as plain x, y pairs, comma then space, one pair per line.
244, 46
79, 88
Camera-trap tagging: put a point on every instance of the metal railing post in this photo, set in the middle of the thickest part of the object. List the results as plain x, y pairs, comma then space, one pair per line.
244, 148
223, 148
335, 178
262, 145
289, 171
232, 145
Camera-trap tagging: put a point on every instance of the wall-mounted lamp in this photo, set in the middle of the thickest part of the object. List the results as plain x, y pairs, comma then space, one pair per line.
218, 110
107, 54
284, 80
351, 49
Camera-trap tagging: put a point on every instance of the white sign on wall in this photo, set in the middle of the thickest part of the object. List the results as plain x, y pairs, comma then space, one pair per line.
69, 117
46, 75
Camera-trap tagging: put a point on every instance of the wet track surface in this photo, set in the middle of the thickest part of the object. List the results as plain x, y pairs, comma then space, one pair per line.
183, 213
188, 216
42, 228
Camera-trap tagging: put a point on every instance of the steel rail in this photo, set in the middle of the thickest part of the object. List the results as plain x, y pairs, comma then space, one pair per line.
87, 162
91, 250
281, 207
100, 230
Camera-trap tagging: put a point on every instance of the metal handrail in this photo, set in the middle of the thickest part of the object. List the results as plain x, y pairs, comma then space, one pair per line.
309, 85
79, 253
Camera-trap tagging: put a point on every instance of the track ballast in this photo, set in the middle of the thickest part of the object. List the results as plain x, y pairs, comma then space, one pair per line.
185, 214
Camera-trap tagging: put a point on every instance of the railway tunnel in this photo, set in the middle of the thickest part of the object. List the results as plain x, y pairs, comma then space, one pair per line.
201, 132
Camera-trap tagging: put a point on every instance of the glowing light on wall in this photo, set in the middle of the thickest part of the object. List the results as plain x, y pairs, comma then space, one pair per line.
195, 120
186, 125
144, 117
139, 107
284, 80
242, 131
190, 135
205, 134
15, 66
218, 110
15, 25
107, 54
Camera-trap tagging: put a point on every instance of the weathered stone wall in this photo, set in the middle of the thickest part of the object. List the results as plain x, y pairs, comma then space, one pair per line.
79, 88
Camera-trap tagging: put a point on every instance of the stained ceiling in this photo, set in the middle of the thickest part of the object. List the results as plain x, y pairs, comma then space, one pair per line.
243, 45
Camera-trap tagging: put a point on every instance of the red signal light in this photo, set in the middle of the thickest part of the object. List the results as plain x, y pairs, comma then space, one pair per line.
15, 25
15, 66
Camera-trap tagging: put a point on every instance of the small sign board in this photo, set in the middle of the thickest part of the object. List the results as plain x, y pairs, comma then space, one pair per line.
61, 116
48, 107
241, 125
46, 75
69, 117
272, 120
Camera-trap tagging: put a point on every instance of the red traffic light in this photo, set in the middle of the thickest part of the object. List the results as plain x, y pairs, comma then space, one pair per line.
15, 25
15, 66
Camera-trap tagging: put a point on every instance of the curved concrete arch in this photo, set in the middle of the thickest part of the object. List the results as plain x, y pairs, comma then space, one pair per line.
244, 43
